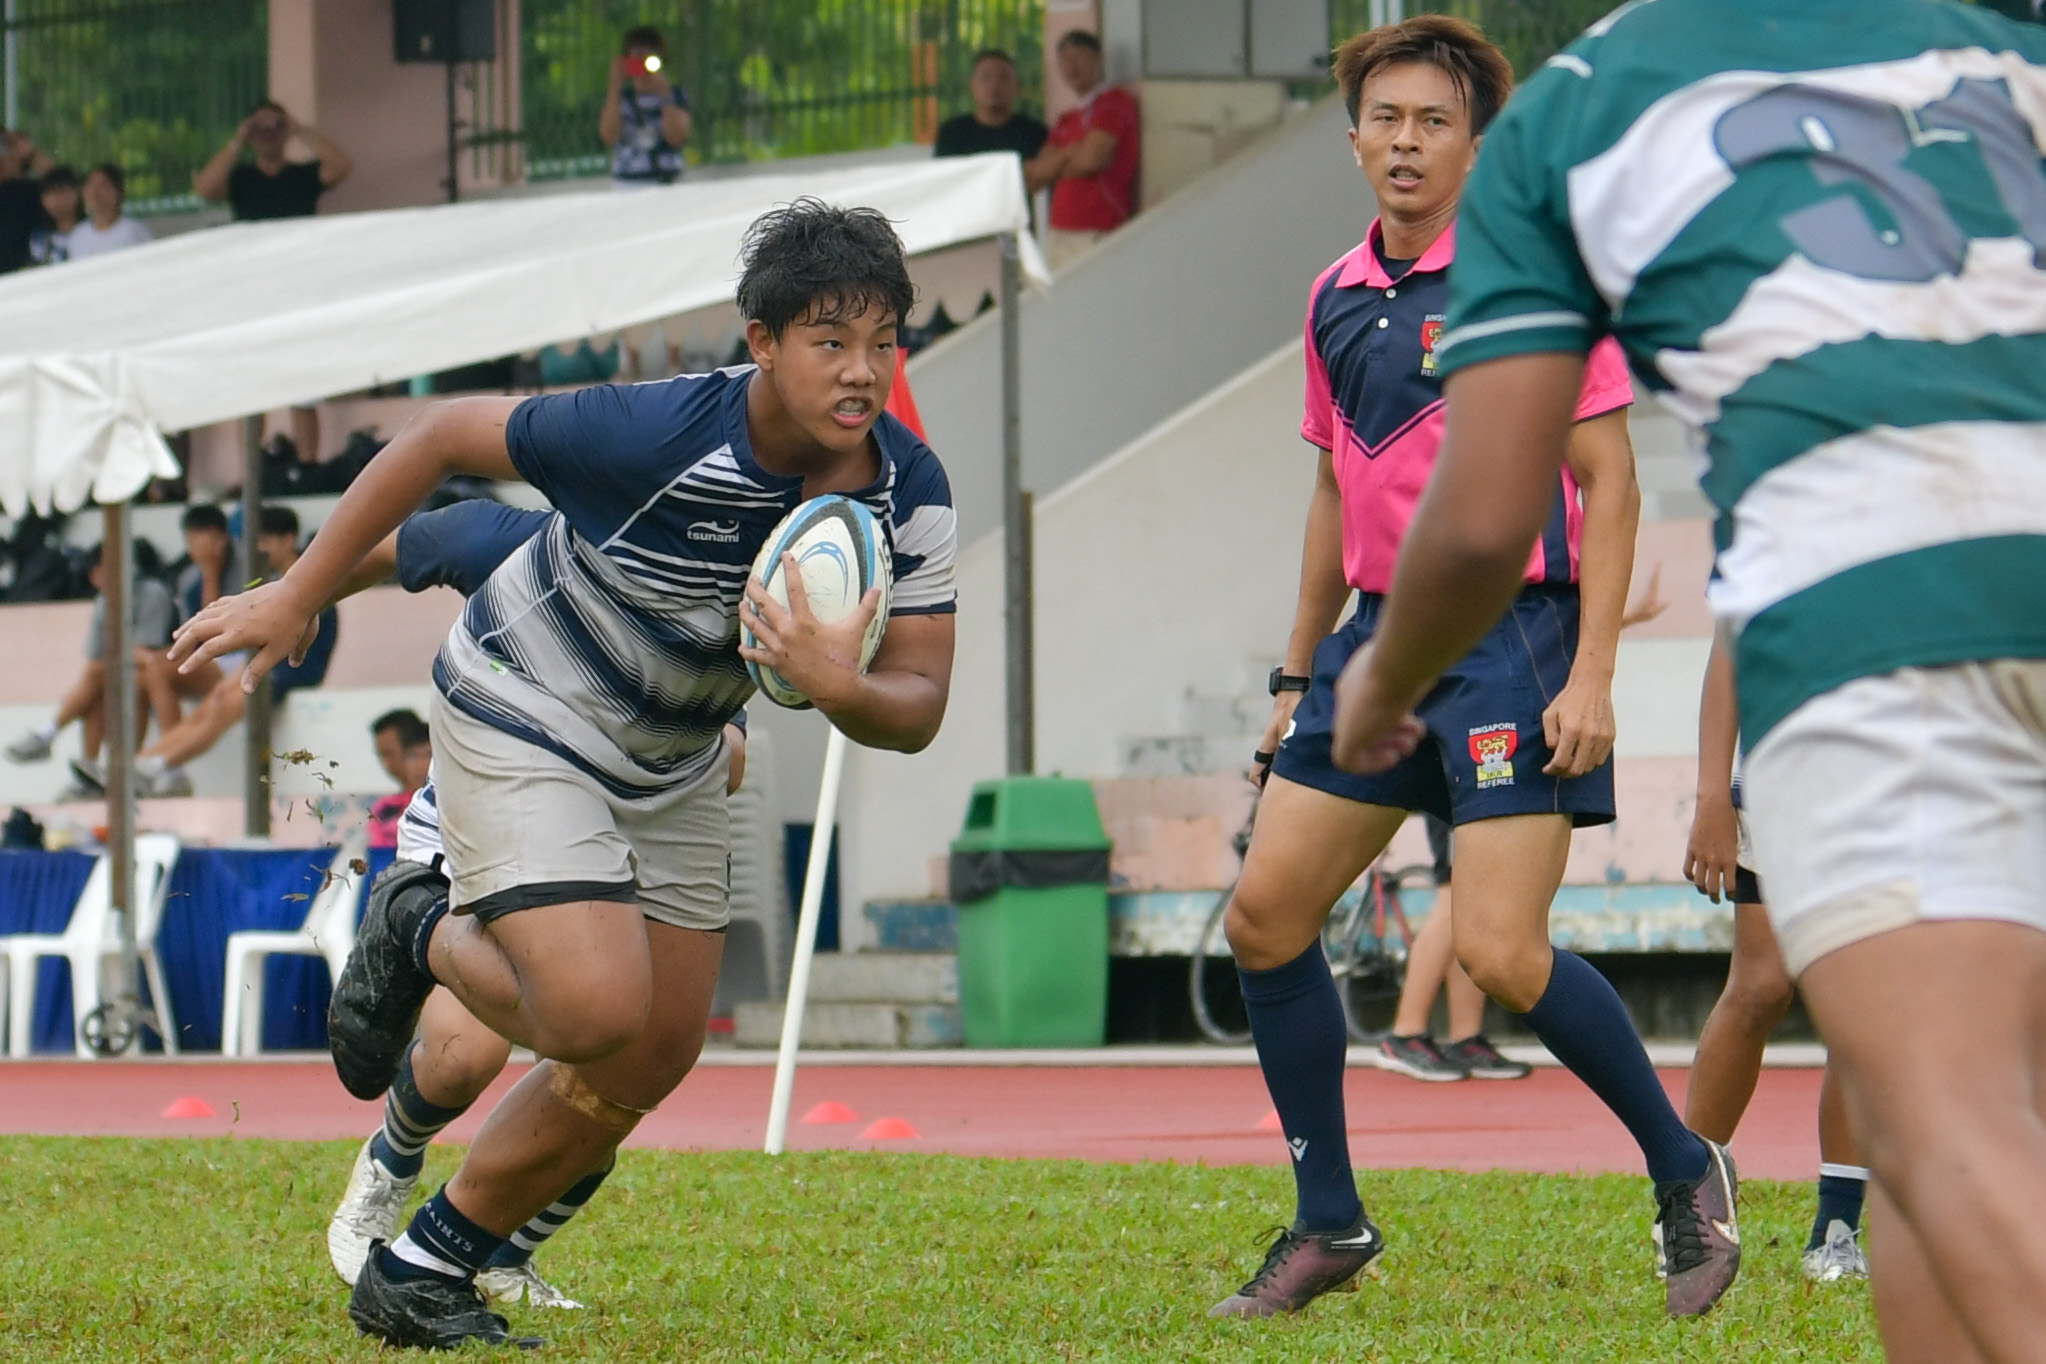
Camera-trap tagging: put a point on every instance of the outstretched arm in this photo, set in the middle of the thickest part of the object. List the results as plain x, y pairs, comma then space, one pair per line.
464, 436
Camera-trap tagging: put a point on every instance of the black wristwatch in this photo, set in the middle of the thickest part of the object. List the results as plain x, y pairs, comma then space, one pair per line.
1281, 680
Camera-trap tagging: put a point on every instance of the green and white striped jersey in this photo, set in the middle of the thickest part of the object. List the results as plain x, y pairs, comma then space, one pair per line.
1817, 227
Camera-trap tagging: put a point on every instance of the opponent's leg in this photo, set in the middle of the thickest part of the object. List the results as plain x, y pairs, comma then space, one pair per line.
1307, 849
555, 1126
443, 1073
1408, 1049
1959, 1072
1833, 1251
510, 1274
1728, 1063
1510, 868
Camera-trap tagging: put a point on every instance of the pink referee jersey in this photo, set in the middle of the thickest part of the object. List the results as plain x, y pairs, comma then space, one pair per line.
1374, 400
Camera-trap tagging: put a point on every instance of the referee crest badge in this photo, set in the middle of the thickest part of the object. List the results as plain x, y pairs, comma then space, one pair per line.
1431, 332
1492, 749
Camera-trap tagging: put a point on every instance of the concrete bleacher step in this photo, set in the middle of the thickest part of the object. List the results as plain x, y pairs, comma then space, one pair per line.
867, 999
1187, 755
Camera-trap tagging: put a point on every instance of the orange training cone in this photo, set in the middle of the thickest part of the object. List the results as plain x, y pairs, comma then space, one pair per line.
190, 1107
1271, 1122
830, 1111
890, 1129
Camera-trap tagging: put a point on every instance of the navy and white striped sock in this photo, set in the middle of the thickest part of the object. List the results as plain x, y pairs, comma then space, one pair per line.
410, 1124
440, 1244
534, 1234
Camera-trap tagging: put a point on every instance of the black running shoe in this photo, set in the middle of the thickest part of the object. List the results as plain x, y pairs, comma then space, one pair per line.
376, 1002
1416, 1056
1300, 1267
1701, 1235
1481, 1060
425, 1314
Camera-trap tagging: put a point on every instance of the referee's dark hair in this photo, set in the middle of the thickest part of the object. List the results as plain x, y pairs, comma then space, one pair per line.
818, 264
1480, 71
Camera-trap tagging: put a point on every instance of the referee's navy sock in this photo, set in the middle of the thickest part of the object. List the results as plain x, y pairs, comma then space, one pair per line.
1841, 1191
1580, 1019
1296, 1018
440, 1244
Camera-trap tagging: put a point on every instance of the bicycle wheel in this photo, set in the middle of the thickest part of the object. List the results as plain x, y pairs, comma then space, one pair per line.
1368, 957
1212, 985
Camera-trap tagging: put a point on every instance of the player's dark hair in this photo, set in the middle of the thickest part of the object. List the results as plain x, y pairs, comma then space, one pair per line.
646, 36
276, 520
1480, 71
114, 174
817, 263
990, 54
412, 731
1080, 37
203, 516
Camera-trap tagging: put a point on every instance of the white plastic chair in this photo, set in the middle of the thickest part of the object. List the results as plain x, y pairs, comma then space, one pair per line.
328, 931
92, 946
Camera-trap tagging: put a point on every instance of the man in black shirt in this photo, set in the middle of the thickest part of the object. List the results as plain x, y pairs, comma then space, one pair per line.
21, 198
270, 186
994, 125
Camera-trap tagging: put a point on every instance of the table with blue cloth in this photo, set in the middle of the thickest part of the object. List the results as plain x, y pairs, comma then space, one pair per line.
213, 892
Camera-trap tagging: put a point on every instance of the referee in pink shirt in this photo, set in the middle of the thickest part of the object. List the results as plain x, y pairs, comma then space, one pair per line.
1519, 734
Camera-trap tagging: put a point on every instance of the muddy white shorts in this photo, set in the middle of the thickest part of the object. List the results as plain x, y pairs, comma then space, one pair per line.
1913, 796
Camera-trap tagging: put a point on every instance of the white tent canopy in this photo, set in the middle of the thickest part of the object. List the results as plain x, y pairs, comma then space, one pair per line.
100, 357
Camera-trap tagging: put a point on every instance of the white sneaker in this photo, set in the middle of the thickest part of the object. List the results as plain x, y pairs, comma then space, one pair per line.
1840, 1258
172, 785
506, 1286
369, 1212
32, 747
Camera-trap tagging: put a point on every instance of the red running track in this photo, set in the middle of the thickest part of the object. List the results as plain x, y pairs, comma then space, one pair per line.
1548, 1122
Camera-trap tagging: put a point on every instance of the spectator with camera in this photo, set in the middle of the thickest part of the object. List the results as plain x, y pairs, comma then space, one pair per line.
21, 198
645, 120
106, 227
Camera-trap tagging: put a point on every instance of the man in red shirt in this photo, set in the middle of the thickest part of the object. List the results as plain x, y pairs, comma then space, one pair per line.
1093, 152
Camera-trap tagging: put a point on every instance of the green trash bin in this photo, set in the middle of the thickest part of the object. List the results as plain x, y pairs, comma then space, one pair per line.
1030, 876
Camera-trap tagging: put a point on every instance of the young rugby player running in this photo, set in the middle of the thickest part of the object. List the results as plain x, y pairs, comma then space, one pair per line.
456, 1057
1758, 993
1818, 227
578, 760
1522, 726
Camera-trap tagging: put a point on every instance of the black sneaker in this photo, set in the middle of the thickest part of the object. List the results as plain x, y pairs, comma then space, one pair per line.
1481, 1060
376, 1002
1417, 1056
425, 1314
1700, 1234
1300, 1267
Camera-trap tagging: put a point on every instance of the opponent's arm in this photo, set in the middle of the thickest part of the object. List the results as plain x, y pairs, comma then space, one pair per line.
897, 704
1714, 849
465, 435
1466, 551
1579, 724
1322, 590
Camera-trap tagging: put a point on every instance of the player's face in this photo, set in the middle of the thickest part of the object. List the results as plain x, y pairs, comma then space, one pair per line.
1413, 139
994, 88
832, 377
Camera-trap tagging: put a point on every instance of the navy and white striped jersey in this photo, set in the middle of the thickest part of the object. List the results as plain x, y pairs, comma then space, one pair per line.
611, 637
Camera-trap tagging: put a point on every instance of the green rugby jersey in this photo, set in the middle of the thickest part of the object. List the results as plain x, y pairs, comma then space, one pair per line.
1817, 227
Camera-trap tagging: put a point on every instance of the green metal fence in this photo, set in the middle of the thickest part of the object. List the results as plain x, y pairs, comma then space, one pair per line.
768, 78
155, 86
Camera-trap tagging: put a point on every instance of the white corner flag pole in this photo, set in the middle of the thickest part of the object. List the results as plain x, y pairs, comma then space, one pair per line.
806, 943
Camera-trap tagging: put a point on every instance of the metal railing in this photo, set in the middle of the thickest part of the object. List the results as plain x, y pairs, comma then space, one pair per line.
768, 78
155, 86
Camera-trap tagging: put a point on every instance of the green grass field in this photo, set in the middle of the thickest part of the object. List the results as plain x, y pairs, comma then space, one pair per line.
214, 1250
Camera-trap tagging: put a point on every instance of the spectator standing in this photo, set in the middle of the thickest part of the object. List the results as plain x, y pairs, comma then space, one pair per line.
994, 124
62, 210
645, 120
106, 227
1093, 154
21, 198
269, 186
405, 748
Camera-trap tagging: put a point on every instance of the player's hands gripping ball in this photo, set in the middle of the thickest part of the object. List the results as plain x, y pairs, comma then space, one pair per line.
816, 603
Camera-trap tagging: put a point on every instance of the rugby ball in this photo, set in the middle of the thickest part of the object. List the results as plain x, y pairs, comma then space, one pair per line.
842, 552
